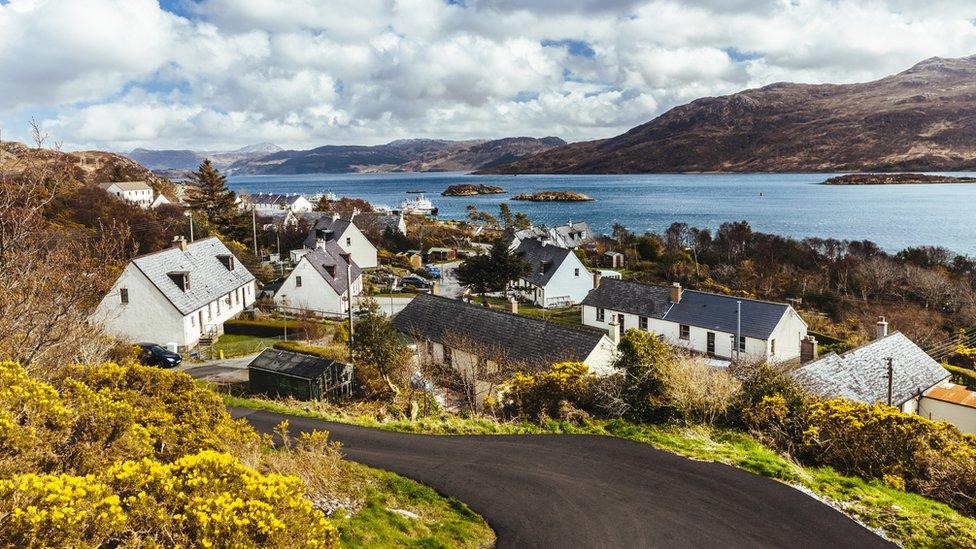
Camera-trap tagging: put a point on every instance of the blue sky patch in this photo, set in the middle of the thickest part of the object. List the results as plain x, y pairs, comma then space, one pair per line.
579, 48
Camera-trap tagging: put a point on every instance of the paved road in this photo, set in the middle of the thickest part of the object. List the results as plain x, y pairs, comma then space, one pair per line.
589, 491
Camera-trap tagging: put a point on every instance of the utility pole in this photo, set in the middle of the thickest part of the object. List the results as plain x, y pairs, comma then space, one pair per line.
254, 229
190, 215
348, 257
738, 330
891, 371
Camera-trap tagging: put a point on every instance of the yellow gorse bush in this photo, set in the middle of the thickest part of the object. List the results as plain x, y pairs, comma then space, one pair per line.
132, 455
535, 395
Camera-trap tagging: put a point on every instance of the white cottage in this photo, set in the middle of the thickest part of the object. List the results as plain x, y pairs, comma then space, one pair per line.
556, 277
137, 192
343, 232
319, 281
701, 322
177, 296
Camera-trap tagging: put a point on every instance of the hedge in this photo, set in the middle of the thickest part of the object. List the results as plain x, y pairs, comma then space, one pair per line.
339, 353
962, 376
263, 328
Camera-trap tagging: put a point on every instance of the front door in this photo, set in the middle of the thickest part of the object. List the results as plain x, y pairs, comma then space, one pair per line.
200, 322
710, 344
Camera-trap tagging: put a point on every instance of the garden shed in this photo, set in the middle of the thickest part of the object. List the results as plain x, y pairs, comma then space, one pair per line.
280, 373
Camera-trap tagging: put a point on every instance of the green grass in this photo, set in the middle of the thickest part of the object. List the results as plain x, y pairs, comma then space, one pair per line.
570, 316
442, 522
963, 376
240, 345
909, 519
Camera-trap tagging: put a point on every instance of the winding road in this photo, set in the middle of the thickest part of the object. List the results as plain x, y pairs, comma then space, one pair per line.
557, 491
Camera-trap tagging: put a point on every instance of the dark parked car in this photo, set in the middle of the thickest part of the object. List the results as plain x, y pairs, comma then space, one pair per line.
416, 282
157, 355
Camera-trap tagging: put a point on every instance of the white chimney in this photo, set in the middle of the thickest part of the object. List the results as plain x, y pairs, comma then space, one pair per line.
513, 305
882, 328
597, 275
675, 292
614, 330
335, 216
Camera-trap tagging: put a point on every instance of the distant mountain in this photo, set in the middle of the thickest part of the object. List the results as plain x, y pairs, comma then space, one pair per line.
174, 161
921, 119
405, 155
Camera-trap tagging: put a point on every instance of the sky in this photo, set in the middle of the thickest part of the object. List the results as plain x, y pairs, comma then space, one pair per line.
221, 74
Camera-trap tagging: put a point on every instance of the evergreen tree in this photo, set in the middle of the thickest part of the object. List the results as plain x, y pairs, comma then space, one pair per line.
207, 192
505, 213
493, 271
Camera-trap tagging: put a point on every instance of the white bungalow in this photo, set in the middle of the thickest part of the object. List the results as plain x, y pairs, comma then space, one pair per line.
177, 296
269, 203
702, 322
347, 235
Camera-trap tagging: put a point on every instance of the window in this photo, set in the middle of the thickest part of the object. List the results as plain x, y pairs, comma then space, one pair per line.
601, 315
576, 272
643, 323
742, 343
684, 331
298, 282
124, 295
348, 241
772, 346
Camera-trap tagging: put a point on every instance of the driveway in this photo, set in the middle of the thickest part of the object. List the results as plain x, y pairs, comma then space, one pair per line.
231, 370
448, 281
557, 491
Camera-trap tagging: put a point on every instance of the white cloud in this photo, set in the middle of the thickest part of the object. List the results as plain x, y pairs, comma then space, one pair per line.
126, 73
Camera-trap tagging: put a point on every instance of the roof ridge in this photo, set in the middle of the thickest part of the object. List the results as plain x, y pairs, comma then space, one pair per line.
171, 248
501, 312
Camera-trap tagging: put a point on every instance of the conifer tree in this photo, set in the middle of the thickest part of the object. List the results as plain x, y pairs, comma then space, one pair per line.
207, 192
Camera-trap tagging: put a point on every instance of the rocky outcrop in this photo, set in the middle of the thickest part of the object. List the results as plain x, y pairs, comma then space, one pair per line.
553, 196
918, 120
894, 179
468, 189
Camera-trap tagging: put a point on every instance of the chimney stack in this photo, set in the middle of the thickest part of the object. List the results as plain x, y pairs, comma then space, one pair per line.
597, 276
614, 330
882, 328
180, 242
513, 305
335, 216
808, 349
675, 292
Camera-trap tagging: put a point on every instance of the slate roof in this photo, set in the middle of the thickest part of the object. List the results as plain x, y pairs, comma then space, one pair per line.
499, 335
329, 255
126, 185
209, 278
701, 309
570, 235
338, 226
543, 260
293, 364
376, 221
861, 374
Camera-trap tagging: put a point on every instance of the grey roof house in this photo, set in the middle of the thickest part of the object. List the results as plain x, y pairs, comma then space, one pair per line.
178, 295
346, 234
861, 374
321, 281
555, 277
703, 322
501, 336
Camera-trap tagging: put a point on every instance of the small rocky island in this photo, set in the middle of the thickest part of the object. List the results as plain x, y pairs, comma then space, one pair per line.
894, 179
553, 196
468, 189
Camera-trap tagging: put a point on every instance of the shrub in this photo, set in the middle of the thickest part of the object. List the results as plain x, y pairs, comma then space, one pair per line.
964, 356
337, 353
697, 392
341, 334
641, 356
962, 376
265, 327
546, 394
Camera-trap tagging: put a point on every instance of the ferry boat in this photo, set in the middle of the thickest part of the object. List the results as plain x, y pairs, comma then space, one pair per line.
419, 205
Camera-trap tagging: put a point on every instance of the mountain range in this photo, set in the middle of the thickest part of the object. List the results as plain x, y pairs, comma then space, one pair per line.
405, 155
921, 119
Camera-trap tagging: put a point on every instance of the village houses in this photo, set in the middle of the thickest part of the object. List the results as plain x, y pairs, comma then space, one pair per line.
555, 277
320, 281
701, 322
269, 203
572, 235
345, 233
177, 297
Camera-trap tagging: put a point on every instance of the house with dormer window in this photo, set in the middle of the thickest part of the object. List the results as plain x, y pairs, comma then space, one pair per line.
178, 297
322, 282
555, 276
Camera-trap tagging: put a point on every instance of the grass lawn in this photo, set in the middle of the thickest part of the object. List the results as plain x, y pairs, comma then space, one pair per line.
240, 345
908, 519
570, 316
440, 522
